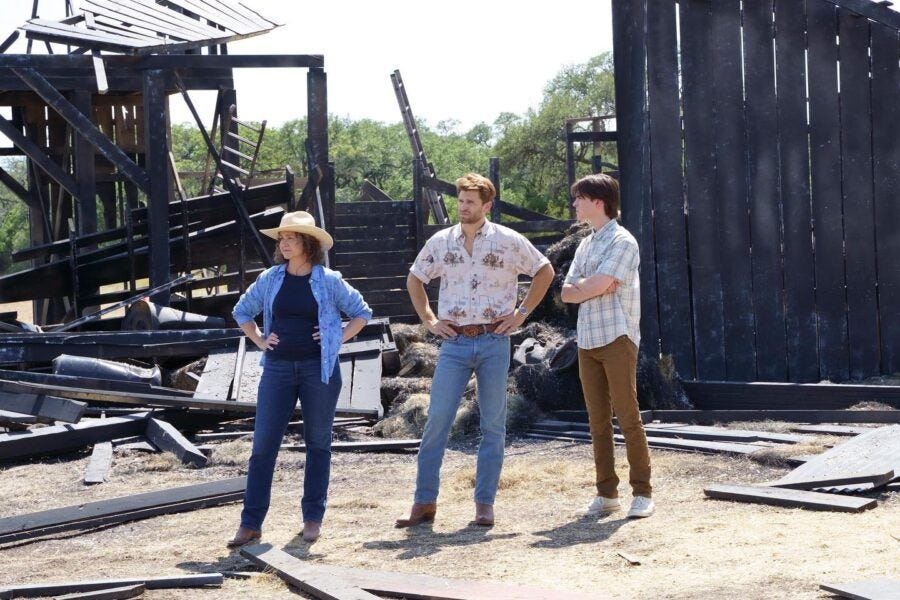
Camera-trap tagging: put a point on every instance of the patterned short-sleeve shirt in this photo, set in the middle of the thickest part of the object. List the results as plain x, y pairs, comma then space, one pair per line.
613, 251
482, 287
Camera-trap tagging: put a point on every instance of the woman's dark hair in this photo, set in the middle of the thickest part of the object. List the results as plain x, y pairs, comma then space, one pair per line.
311, 248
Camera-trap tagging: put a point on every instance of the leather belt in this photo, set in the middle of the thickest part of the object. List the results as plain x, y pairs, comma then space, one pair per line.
474, 330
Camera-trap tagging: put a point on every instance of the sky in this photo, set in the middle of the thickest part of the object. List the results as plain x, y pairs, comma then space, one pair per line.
466, 61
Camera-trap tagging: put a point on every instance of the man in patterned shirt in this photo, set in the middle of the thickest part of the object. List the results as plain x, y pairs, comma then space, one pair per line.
603, 280
479, 263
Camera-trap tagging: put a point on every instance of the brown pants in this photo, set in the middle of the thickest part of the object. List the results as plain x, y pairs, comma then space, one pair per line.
608, 378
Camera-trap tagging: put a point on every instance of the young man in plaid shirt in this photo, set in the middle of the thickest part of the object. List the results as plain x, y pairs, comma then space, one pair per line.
603, 280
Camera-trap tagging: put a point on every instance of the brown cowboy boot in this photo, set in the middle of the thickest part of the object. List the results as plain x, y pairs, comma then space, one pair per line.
484, 514
243, 537
420, 513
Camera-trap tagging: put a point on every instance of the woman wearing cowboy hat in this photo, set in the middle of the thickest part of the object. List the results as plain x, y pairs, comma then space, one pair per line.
301, 302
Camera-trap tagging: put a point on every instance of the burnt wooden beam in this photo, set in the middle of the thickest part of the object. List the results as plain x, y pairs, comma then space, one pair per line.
171, 61
317, 140
721, 395
83, 125
156, 127
168, 439
64, 438
15, 187
592, 136
38, 157
40, 405
85, 172
151, 583
99, 464
377, 446
121, 510
876, 477
789, 416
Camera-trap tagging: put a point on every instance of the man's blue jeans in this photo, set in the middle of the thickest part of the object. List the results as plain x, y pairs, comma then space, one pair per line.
281, 384
486, 355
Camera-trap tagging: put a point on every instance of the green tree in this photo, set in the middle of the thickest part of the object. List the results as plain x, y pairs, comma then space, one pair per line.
532, 147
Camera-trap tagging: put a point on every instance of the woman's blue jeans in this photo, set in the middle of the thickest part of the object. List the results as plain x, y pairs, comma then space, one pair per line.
486, 355
281, 384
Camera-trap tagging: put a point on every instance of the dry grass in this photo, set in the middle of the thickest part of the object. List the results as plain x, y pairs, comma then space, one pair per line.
692, 547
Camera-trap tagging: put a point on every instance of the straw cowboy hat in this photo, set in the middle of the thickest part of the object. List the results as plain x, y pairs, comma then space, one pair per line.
301, 222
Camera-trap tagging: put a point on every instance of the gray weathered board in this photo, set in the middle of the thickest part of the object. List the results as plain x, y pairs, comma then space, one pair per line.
789, 498
873, 589
117, 593
99, 463
36, 590
878, 449
215, 382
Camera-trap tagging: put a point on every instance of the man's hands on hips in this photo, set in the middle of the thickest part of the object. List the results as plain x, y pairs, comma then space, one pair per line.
509, 323
441, 329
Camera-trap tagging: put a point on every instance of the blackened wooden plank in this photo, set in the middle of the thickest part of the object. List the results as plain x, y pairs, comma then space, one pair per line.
790, 416
99, 463
825, 157
151, 583
738, 395
877, 450
374, 258
799, 289
168, 439
789, 498
700, 175
886, 158
389, 244
117, 593
218, 373
856, 173
667, 190
873, 589
62, 438
112, 510
156, 126
830, 429
39, 405
397, 207
374, 446
763, 189
876, 477
731, 190
633, 146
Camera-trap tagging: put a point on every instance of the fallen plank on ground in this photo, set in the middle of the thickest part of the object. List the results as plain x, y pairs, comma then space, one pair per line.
830, 429
875, 478
165, 437
379, 446
705, 446
99, 463
117, 593
121, 510
789, 498
63, 438
873, 589
37, 590
789, 416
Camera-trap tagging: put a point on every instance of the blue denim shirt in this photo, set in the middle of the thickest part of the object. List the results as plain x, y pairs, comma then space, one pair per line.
333, 294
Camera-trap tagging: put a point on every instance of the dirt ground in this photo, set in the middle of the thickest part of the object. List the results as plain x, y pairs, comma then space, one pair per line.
692, 548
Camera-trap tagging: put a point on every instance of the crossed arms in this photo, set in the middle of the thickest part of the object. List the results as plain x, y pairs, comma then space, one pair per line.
586, 288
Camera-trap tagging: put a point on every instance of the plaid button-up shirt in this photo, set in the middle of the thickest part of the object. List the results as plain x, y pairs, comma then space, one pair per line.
482, 287
612, 251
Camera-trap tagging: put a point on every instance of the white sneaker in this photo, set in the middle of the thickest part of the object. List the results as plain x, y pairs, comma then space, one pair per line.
641, 506
601, 505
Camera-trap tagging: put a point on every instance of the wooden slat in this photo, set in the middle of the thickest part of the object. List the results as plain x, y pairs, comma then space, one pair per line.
830, 429
886, 163
667, 191
700, 167
873, 589
374, 258
62, 438
407, 221
789, 498
731, 190
130, 12
389, 244
99, 463
118, 510
42, 28
876, 450
399, 207
375, 446
48, 407
151, 583
220, 18
763, 190
171, 18
168, 439
856, 172
366, 392
799, 288
118, 593
825, 156
790, 416
876, 478
735, 395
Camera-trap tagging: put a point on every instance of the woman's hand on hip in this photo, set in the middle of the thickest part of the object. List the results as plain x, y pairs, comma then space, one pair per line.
316, 335
269, 343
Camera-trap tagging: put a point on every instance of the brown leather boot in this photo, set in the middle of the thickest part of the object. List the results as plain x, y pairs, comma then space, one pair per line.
243, 537
311, 531
484, 514
420, 513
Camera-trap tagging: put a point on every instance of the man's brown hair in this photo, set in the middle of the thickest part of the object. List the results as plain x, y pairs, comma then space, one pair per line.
311, 248
477, 183
600, 187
